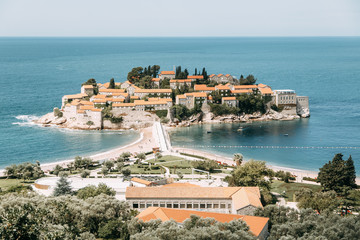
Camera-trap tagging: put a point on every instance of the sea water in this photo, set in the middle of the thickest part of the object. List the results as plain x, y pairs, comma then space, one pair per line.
36, 72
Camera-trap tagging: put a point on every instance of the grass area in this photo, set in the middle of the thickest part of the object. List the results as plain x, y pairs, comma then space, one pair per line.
144, 170
291, 188
164, 159
5, 184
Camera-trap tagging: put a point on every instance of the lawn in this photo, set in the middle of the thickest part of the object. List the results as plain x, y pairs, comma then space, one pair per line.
136, 170
291, 188
7, 183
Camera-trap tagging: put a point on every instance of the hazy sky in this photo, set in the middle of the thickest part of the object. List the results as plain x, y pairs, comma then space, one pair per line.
179, 18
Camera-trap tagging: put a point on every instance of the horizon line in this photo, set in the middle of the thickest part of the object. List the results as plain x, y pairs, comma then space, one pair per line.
255, 36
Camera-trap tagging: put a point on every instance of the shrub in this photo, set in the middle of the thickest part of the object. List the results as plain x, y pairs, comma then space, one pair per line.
161, 113
164, 120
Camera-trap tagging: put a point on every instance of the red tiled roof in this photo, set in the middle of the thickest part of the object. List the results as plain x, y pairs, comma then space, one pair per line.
256, 224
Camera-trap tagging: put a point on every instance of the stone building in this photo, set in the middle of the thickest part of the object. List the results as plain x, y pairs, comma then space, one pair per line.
156, 82
234, 200
178, 83
152, 92
87, 89
167, 74
258, 226
221, 78
230, 101
203, 88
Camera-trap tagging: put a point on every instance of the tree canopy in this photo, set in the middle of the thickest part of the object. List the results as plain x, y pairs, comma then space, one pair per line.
338, 175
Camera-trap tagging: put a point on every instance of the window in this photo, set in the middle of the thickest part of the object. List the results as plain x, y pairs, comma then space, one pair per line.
216, 205
168, 205
142, 205
156, 204
202, 205
196, 205
222, 205
189, 205
209, 205
135, 205
148, 205
162, 204
182, 205
175, 205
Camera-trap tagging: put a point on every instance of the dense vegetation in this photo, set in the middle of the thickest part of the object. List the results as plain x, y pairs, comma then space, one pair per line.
287, 223
249, 80
142, 77
181, 112
25, 171
248, 104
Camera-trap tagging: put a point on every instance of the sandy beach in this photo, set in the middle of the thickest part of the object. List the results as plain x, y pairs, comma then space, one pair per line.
149, 139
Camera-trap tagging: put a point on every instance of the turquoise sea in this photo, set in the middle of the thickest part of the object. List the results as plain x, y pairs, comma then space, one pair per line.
36, 72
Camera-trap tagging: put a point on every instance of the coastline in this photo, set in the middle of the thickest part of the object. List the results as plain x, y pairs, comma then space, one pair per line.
217, 157
149, 139
144, 143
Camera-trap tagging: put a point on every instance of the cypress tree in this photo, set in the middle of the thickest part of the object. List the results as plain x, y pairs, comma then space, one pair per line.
195, 72
149, 71
350, 172
186, 73
112, 84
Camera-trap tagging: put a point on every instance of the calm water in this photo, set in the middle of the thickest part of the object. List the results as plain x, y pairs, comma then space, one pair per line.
36, 72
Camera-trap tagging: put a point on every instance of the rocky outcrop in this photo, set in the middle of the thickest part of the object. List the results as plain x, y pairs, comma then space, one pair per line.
303, 112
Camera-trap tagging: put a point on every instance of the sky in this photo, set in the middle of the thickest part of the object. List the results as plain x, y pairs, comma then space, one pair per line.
151, 18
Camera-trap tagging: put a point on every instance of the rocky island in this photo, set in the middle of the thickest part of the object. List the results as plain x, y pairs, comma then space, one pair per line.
174, 98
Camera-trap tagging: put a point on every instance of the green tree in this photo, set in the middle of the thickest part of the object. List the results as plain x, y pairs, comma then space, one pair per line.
85, 173
119, 166
63, 187
319, 201
92, 191
126, 172
109, 164
112, 84
338, 175
57, 169
252, 174
141, 156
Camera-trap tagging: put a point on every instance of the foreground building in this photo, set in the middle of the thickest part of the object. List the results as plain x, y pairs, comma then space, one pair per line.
234, 200
258, 226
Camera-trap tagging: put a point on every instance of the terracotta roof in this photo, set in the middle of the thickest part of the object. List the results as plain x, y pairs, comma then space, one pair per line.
155, 79
80, 111
180, 185
91, 108
167, 72
134, 97
182, 192
203, 87
228, 98
266, 90
142, 102
180, 80
111, 90
222, 87
227, 75
153, 90
196, 94
196, 77
86, 103
181, 96
100, 96
87, 86
142, 181
256, 224
100, 100
241, 91
123, 105
159, 99
262, 85
219, 75
74, 96
75, 102
125, 95
212, 75
236, 87
114, 100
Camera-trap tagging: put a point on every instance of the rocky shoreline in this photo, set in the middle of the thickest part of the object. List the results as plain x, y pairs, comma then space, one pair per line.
134, 121
271, 115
